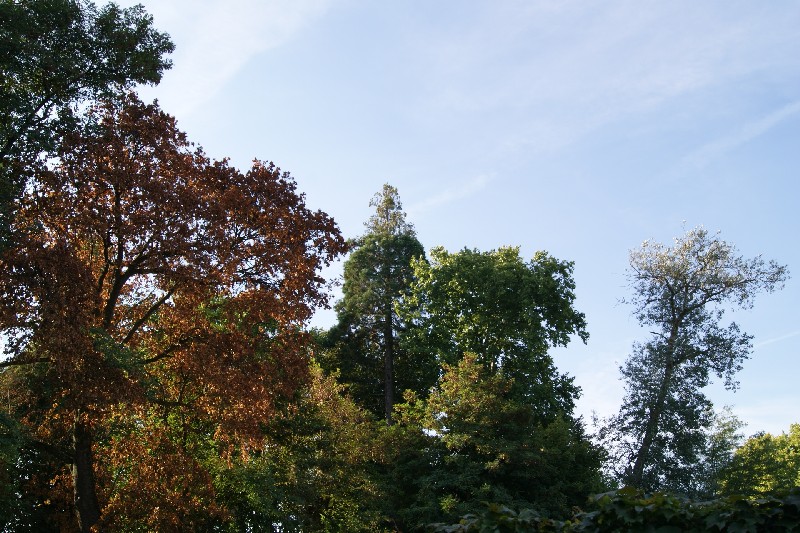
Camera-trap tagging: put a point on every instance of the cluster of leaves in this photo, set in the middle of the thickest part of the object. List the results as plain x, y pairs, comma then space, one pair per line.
312, 472
764, 464
507, 311
481, 443
632, 510
681, 292
56, 56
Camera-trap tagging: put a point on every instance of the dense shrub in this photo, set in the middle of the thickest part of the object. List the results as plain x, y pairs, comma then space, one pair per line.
631, 510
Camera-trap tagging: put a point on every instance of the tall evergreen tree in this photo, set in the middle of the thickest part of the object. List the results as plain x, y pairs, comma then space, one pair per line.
365, 344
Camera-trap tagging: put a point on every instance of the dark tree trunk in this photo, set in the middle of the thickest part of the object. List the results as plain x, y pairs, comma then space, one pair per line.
654, 414
86, 504
651, 429
388, 365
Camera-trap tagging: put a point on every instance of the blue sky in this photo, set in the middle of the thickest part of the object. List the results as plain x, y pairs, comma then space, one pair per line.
580, 128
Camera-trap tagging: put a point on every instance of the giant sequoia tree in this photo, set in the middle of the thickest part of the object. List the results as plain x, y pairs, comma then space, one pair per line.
681, 293
56, 55
366, 341
143, 280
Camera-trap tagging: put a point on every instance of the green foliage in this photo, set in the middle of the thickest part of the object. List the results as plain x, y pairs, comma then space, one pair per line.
59, 53
681, 294
504, 310
389, 217
313, 473
376, 276
498, 425
54, 56
406, 459
366, 344
485, 444
19, 510
764, 464
631, 510
721, 443
25, 462
496, 518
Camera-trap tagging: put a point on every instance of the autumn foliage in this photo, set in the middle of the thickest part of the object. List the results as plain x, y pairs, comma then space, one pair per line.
145, 279
157, 373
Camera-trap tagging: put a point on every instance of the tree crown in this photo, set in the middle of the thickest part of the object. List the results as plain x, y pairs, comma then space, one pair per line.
389, 217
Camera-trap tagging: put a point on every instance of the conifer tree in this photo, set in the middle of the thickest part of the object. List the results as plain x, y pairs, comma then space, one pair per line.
365, 344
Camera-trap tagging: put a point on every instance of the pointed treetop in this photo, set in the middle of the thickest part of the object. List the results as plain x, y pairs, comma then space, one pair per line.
389, 217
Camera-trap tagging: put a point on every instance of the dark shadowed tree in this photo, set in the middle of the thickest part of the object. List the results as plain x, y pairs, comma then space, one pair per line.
365, 344
55, 56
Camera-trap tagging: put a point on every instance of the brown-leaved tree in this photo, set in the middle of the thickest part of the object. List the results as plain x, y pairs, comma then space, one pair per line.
146, 281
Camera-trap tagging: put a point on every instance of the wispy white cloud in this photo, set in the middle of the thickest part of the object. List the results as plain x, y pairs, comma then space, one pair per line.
743, 135
777, 339
569, 69
215, 39
449, 195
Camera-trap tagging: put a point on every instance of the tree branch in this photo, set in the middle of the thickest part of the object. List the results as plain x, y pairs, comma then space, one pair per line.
145, 317
6, 364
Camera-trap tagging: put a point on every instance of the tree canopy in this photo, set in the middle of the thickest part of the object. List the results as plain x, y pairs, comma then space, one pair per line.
764, 464
55, 56
506, 311
489, 445
681, 293
144, 275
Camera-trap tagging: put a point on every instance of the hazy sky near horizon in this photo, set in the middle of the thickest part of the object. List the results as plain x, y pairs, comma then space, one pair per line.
580, 128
